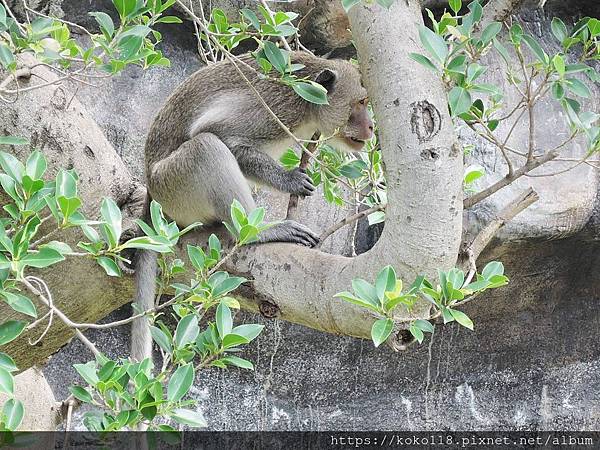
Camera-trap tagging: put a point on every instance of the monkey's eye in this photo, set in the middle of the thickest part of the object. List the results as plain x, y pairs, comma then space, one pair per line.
364, 101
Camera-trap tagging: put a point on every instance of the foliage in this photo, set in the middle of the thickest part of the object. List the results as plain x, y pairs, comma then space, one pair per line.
129, 393
131, 41
456, 45
384, 298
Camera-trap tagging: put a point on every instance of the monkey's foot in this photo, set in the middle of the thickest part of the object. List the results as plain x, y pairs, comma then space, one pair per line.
290, 231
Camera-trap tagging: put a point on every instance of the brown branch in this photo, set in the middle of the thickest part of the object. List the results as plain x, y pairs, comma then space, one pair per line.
483, 238
508, 179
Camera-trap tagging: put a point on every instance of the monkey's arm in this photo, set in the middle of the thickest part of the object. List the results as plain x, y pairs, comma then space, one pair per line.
261, 167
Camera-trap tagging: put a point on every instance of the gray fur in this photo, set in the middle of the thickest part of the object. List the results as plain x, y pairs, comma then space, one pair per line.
212, 135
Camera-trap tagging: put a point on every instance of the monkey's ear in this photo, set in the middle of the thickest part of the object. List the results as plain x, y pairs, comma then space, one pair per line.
326, 78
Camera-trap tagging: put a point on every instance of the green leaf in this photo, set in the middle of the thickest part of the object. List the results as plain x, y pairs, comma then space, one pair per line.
19, 303
13, 140
66, 185
535, 47
7, 59
68, 205
578, 88
233, 340
275, 56
7, 382
112, 216
434, 44
365, 291
187, 330
249, 331
6, 362
348, 4
386, 3
386, 281
158, 244
252, 18
347, 296
13, 412
36, 165
381, 330
462, 318
416, 332
106, 24
424, 325
459, 100
189, 417
87, 372
227, 285
169, 19
473, 173
109, 265
10, 330
223, 319
196, 256
455, 5
161, 339
490, 32
311, 92
516, 34
501, 49
492, 268
12, 166
594, 26
456, 277
81, 394
238, 362
559, 29
423, 60
180, 382
125, 7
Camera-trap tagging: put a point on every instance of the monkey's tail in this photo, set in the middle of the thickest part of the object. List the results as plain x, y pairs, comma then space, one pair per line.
145, 276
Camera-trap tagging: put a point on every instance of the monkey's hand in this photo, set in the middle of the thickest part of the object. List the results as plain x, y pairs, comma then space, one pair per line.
299, 183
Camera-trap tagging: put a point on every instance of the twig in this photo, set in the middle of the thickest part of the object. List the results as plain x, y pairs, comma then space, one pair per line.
292, 211
483, 238
348, 220
45, 300
474, 199
10, 13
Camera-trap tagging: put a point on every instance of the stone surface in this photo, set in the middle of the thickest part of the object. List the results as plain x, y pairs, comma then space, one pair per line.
531, 363
32, 388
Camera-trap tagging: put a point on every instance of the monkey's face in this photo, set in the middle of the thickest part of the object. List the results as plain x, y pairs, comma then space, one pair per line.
347, 111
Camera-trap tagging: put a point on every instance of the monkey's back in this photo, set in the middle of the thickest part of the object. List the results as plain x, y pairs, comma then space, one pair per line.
217, 99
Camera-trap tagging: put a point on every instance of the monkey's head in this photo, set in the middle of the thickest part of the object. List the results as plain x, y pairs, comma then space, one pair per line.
347, 109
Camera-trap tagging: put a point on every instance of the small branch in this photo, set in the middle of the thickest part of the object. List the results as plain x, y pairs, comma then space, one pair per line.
348, 220
292, 211
483, 238
46, 300
474, 199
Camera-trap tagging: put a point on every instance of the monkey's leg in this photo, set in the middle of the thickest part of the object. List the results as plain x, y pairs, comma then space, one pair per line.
198, 183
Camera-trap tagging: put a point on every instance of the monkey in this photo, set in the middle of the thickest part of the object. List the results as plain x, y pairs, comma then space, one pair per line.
213, 137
